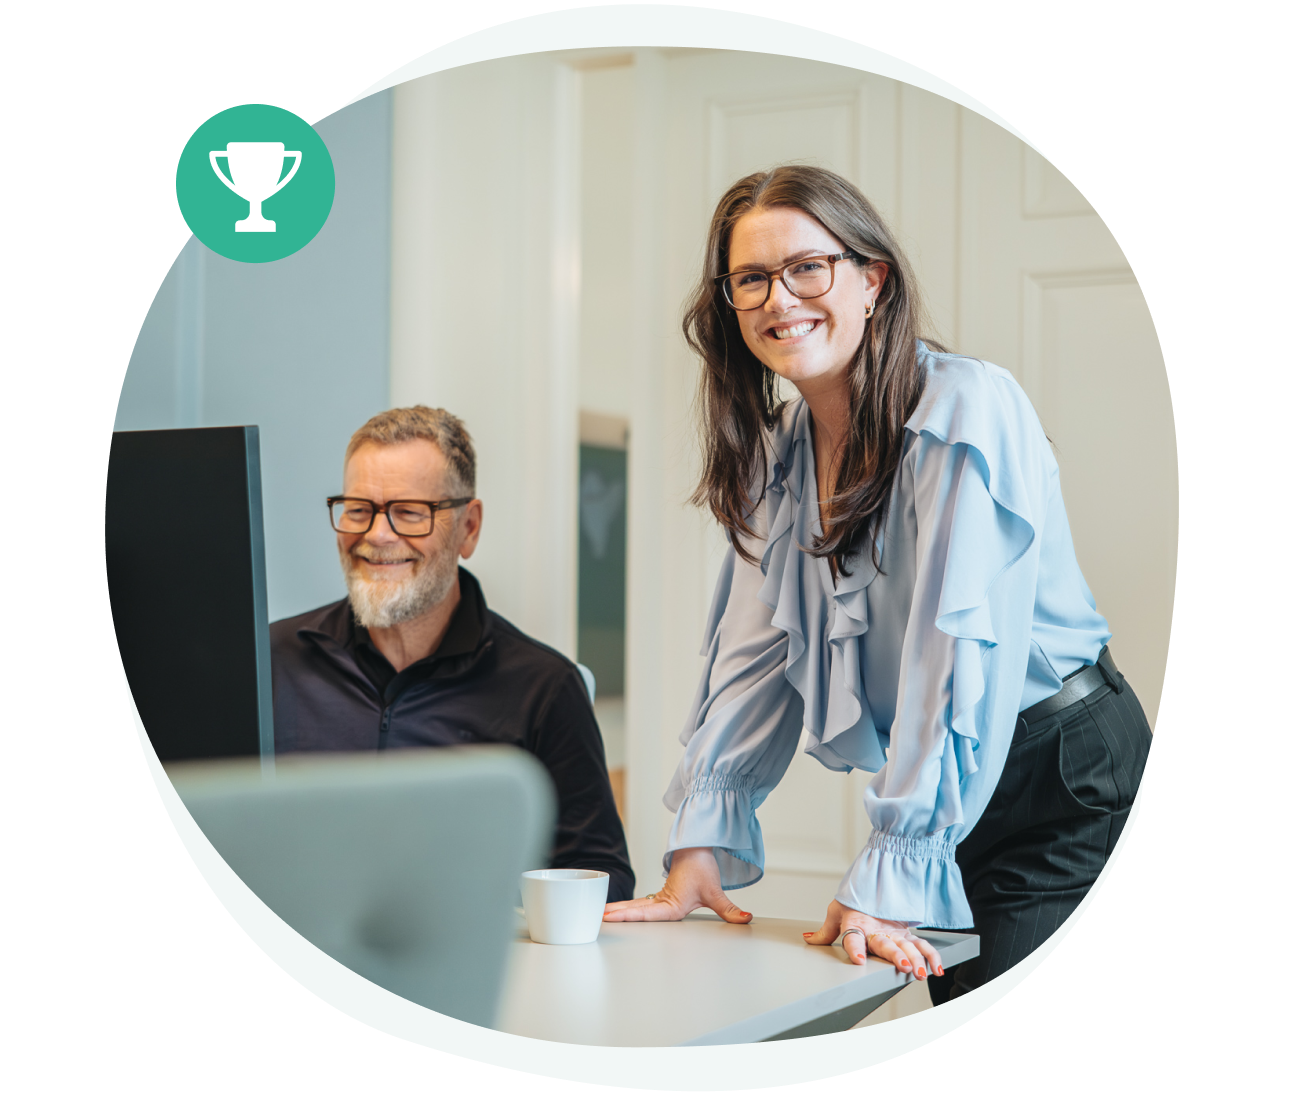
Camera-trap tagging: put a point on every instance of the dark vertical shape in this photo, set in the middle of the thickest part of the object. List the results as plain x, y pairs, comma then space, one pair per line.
59, 932
261, 617
602, 564
187, 583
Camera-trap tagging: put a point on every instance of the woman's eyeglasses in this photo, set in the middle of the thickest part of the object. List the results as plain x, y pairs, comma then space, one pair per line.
811, 276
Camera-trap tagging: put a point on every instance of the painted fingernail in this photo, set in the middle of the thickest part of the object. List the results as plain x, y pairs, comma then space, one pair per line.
809, 934
905, 965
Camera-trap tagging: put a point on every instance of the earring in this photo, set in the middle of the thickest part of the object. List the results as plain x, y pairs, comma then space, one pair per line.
871, 308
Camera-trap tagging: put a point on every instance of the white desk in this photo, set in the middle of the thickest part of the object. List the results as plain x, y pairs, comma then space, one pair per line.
699, 981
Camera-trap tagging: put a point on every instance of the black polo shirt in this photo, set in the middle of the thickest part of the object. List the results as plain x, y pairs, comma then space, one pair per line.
486, 683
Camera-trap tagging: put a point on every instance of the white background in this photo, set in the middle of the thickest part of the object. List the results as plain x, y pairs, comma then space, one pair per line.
1077, 107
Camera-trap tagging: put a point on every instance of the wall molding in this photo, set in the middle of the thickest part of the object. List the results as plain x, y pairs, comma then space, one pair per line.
721, 112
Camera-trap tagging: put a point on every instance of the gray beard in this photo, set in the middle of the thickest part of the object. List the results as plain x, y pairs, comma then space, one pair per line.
385, 603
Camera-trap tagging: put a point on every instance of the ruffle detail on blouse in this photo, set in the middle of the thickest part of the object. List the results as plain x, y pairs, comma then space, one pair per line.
966, 402
721, 815
837, 716
978, 405
913, 880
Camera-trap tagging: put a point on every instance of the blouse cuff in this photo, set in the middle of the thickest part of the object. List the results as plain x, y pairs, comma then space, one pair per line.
913, 880
718, 811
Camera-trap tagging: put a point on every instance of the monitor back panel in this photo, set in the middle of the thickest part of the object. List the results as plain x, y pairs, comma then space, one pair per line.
187, 582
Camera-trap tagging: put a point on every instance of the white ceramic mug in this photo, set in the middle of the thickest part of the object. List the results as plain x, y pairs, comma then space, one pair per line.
564, 906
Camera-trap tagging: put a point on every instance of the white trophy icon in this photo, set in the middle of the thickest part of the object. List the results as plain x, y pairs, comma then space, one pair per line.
255, 168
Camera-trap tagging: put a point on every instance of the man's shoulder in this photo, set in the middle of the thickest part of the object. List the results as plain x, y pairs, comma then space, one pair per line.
329, 619
510, 636
522, 653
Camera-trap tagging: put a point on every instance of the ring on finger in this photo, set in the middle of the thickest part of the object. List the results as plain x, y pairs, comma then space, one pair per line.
854, 929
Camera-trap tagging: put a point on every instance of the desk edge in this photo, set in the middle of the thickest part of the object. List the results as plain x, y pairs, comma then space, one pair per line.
953, 949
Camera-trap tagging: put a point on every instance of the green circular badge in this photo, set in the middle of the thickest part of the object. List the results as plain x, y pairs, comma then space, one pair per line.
255, 183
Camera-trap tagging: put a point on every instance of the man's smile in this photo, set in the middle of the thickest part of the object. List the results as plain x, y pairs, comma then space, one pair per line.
382, 563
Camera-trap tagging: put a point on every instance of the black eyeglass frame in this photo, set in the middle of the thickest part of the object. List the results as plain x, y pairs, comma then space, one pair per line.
377, 509
780, 272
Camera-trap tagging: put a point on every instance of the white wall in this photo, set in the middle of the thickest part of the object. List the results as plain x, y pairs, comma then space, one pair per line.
484, 310
606, 303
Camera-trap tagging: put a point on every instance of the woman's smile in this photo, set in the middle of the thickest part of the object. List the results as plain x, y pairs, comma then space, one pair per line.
792, 330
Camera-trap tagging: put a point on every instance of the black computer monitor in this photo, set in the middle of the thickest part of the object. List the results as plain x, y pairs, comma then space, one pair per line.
187, 582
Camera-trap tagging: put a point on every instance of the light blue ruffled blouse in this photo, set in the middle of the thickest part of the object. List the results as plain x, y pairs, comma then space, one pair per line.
915, 672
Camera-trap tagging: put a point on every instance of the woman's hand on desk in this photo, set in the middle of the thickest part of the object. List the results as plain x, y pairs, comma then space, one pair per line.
693, 882
893, 942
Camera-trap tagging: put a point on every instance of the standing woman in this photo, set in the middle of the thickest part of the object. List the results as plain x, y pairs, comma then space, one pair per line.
902, 584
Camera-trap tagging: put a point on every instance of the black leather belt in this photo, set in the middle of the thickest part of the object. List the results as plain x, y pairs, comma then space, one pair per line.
1076, 687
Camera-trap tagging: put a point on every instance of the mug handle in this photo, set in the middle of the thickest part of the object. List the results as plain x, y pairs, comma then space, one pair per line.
297, 160
212, 159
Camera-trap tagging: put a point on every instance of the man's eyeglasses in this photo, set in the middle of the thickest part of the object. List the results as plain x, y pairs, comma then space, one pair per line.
811, 276
406, 517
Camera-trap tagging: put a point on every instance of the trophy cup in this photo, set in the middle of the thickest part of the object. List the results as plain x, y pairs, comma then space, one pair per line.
255, 168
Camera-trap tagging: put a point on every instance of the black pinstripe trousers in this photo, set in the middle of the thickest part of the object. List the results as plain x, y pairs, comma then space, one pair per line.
1055, 816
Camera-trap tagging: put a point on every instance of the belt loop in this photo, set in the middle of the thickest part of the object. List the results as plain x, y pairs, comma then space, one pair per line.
1109, 671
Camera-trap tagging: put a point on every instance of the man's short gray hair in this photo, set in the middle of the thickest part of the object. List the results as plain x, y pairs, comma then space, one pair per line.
436, 425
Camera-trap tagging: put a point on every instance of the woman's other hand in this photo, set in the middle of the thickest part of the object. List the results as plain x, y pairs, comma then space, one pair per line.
693, 882
893, 942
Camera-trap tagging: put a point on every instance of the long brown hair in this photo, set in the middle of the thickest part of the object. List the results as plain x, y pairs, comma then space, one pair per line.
738, 394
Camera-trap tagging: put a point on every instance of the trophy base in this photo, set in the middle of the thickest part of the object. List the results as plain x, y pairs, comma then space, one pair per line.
250, 224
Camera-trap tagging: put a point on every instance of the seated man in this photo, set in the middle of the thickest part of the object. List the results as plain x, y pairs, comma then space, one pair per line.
414, 657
